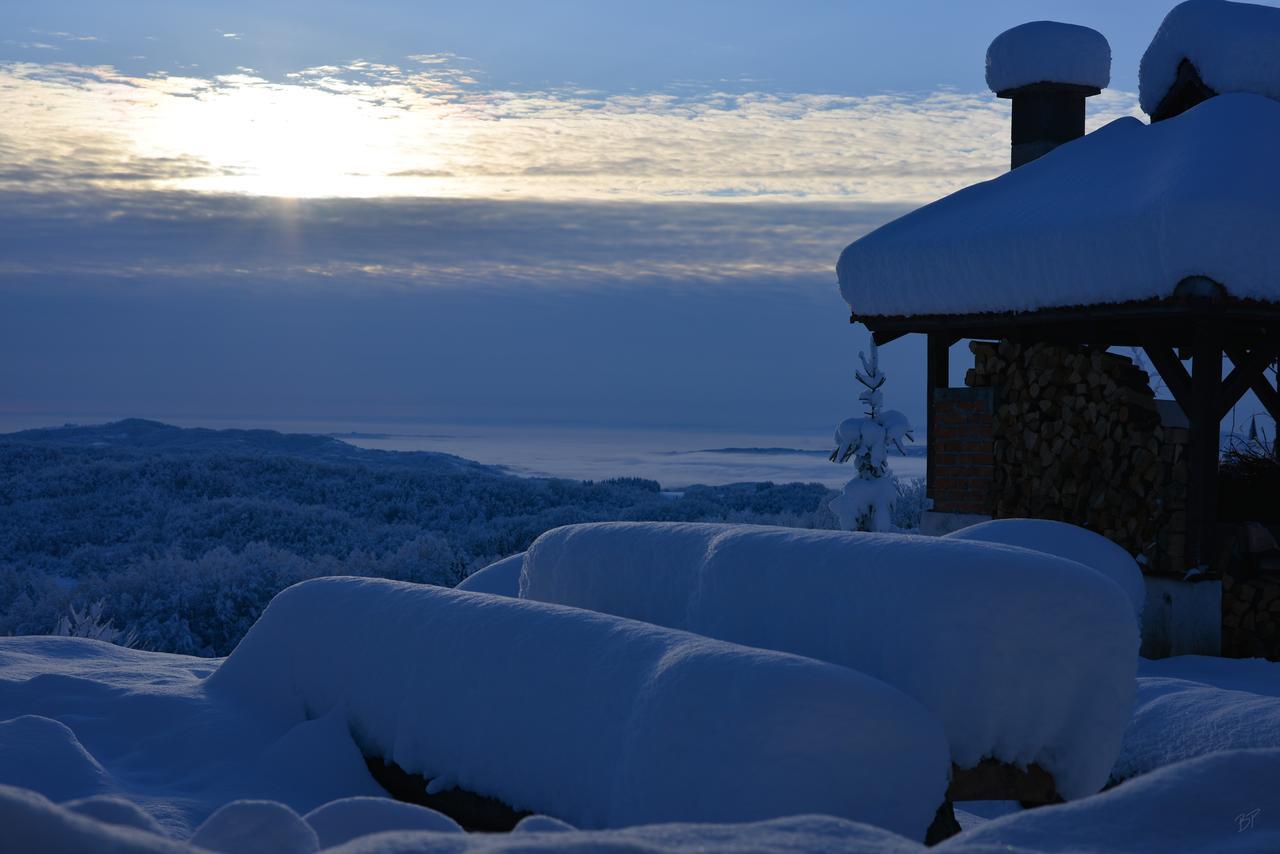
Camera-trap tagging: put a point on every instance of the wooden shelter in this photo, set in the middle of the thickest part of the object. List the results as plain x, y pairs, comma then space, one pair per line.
1158, 237
1201, 323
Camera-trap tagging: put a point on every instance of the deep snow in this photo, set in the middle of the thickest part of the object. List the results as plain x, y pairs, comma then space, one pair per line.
1048, 52
1218, 804
1191, 706
501, 578
969, 629
173, 751
1066, 541
592, 719
1221, 803
80, 718
1125, 213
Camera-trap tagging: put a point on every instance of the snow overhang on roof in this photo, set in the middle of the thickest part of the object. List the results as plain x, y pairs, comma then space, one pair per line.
1234, 47
1123, 214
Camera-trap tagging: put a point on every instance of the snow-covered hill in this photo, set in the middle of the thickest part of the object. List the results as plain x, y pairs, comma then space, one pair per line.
185, 534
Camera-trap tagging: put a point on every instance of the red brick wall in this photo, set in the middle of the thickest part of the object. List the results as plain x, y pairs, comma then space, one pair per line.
963, 462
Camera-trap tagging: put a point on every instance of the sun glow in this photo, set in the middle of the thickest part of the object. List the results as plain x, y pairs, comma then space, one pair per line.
366, 130
301, 141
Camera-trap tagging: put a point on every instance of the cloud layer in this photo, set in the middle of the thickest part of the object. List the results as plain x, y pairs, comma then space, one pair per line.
428, 129
399, 240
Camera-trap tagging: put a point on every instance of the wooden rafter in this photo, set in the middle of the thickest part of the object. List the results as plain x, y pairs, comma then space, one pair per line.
1175, 376
882, 338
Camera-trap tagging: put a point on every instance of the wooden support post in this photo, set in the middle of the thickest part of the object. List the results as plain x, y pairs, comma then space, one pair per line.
937, 370
1205, 416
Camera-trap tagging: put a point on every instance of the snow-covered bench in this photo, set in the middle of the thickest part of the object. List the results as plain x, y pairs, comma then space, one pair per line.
600, 721
1025, 658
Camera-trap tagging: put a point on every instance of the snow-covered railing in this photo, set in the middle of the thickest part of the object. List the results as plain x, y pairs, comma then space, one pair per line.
1024, 657
598, 721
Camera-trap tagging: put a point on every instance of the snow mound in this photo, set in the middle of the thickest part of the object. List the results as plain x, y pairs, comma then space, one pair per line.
810, 834
314, 762
1048, 52
1222, 803
501, 578
43, 754
1235, 47
115, 810
1067, 541
343, 820
1124, 213
542, 824
1176, 719
1021, 655
30, 822
599, 721
256, 827
1252, 675
140, 725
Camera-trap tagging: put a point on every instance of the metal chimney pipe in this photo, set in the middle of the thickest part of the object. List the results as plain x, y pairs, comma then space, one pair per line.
1045, 115
1047, 69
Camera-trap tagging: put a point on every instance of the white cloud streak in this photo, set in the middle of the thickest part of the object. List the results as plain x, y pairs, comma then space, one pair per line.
428, 129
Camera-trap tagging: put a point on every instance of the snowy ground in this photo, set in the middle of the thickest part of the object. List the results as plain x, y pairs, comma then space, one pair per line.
113, 749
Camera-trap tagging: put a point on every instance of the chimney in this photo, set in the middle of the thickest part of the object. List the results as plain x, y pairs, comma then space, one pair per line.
1047, 69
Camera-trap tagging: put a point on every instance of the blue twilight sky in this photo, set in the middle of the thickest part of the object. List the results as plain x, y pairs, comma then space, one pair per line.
622, 213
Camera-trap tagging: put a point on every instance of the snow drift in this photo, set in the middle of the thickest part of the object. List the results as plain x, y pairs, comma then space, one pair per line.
1180, 713
1222, 803
349, 818
1067, 541
501, 578
32, 823
599, 721
1021, 655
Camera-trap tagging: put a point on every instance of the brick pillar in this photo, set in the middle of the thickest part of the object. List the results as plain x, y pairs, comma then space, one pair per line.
963, 462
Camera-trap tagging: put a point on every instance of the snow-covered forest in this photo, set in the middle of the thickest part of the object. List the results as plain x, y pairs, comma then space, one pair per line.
184, 535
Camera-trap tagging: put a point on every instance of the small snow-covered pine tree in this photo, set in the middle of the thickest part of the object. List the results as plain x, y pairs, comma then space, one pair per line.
866, 502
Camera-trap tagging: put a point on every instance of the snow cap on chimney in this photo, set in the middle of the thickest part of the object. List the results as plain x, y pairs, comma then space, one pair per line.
1047, 69
1048, 52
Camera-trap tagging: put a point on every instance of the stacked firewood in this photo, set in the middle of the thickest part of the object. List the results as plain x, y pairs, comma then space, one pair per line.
1251, 592
1078, 438
1251, 617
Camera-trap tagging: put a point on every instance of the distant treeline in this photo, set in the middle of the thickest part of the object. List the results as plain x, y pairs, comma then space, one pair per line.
185, 535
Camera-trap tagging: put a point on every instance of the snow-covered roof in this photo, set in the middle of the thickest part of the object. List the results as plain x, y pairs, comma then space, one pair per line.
1123, 214
1235, 47
1048, 52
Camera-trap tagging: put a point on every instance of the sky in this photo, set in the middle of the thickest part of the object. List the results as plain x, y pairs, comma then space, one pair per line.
503, 212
